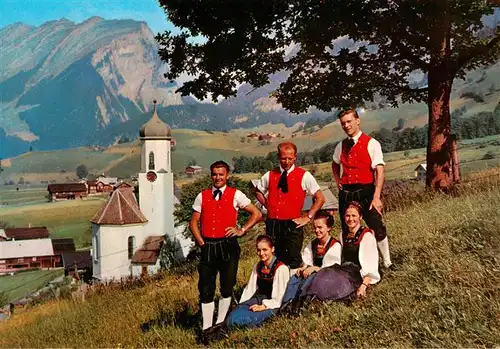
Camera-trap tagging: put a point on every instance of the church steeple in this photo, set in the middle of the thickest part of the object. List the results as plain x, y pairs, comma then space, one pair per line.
155, 128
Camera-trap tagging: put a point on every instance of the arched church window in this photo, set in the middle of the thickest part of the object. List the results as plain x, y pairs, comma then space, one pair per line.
131, 246
95, 245
151, 161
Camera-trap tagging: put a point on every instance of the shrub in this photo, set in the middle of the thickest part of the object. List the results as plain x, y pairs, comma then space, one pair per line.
488, 156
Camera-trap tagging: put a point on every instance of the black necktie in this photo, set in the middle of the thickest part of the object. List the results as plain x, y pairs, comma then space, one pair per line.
283, 184
217, 192
349, 143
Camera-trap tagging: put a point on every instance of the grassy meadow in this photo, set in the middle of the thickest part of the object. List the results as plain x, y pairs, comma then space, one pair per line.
443, 293
24, 196
69, 219
18, 285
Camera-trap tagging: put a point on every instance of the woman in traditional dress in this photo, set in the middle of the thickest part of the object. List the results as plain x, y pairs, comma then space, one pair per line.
359, 268
264, 293
324, 251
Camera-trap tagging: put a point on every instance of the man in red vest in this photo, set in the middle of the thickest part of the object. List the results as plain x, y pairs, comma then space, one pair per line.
217, 211
283, 191
358, 169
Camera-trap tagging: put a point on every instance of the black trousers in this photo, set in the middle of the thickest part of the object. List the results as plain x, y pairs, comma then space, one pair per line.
288, 241
362, 193
218, 256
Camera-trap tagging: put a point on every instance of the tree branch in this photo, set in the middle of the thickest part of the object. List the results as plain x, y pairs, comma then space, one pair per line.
477, 50
406, 53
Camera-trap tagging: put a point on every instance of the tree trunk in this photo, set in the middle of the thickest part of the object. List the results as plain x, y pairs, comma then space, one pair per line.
440, 80
454, 159
439, 171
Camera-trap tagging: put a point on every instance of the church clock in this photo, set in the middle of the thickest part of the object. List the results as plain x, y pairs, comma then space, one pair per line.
151, 176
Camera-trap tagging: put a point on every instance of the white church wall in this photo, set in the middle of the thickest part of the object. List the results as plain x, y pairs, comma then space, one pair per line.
156, 203
113, 260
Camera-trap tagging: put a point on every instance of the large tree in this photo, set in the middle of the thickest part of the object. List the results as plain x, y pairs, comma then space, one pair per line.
246, 41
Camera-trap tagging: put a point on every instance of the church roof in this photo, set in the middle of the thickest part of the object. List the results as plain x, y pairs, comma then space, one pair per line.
155, 128
150, 250
120, 209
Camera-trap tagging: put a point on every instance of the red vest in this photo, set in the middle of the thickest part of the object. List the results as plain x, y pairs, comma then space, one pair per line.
357, 164
216, 216
286, 206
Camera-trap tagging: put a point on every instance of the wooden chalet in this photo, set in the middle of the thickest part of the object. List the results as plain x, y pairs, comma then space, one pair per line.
421, 172
24, 233
78, 264
16, 255
191, 170
67, 191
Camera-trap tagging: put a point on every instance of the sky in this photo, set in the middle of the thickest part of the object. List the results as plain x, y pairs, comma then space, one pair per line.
37, 12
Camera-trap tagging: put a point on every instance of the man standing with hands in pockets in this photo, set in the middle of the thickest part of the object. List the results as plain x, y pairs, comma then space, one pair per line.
283, 191
216, 209
358, 170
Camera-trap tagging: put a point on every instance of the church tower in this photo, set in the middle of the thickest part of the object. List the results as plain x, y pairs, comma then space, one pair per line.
156, 180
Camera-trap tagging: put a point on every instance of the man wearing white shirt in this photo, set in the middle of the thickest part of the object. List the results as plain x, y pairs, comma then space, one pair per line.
282, 192
358, 170
216, 210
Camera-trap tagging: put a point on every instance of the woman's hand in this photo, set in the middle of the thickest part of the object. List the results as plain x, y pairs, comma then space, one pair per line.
309, 270
361, 292
257, 307
300, 270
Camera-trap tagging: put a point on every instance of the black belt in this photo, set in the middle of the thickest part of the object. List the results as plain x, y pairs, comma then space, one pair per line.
217, 248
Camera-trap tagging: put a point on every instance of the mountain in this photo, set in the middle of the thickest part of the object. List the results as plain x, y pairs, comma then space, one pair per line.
62, 81
66, 85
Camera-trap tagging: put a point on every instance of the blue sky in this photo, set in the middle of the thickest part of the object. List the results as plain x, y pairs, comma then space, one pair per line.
36, 12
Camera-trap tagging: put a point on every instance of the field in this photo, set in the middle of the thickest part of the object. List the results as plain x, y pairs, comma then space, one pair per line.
24, 196
401, 166
443, 293
69, 219
20, 284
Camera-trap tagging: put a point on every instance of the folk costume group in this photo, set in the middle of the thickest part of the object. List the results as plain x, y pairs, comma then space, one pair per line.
328, 268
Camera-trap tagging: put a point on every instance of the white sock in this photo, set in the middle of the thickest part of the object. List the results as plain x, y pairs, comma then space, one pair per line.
207, 310
224, 304
383, 247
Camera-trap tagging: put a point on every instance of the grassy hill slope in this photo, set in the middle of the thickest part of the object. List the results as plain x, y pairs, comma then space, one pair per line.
443, 293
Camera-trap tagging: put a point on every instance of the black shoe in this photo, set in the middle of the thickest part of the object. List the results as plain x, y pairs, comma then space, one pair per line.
206, 336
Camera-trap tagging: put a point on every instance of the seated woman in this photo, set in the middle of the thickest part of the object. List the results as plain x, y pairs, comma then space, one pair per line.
262, 296
359, 268
324, 251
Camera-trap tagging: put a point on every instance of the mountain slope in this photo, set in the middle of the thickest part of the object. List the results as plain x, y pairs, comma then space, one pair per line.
62, 81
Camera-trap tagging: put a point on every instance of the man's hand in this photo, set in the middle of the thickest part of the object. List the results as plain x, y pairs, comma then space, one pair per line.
309, 270
233, 231
301, 221
257, 307
361, 292
377, 204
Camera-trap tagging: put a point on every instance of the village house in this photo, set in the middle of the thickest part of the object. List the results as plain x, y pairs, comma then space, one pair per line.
67, 191
31, 248
23, 233
421, 172
253, 135
192, 170
265, 137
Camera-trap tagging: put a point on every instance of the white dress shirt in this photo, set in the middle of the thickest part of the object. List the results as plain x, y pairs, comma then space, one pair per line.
368, 257
280, 283
331, 257
309, 183
374, 149
240, 199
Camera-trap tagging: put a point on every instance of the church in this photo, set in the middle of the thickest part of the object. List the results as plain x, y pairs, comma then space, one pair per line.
127, 236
